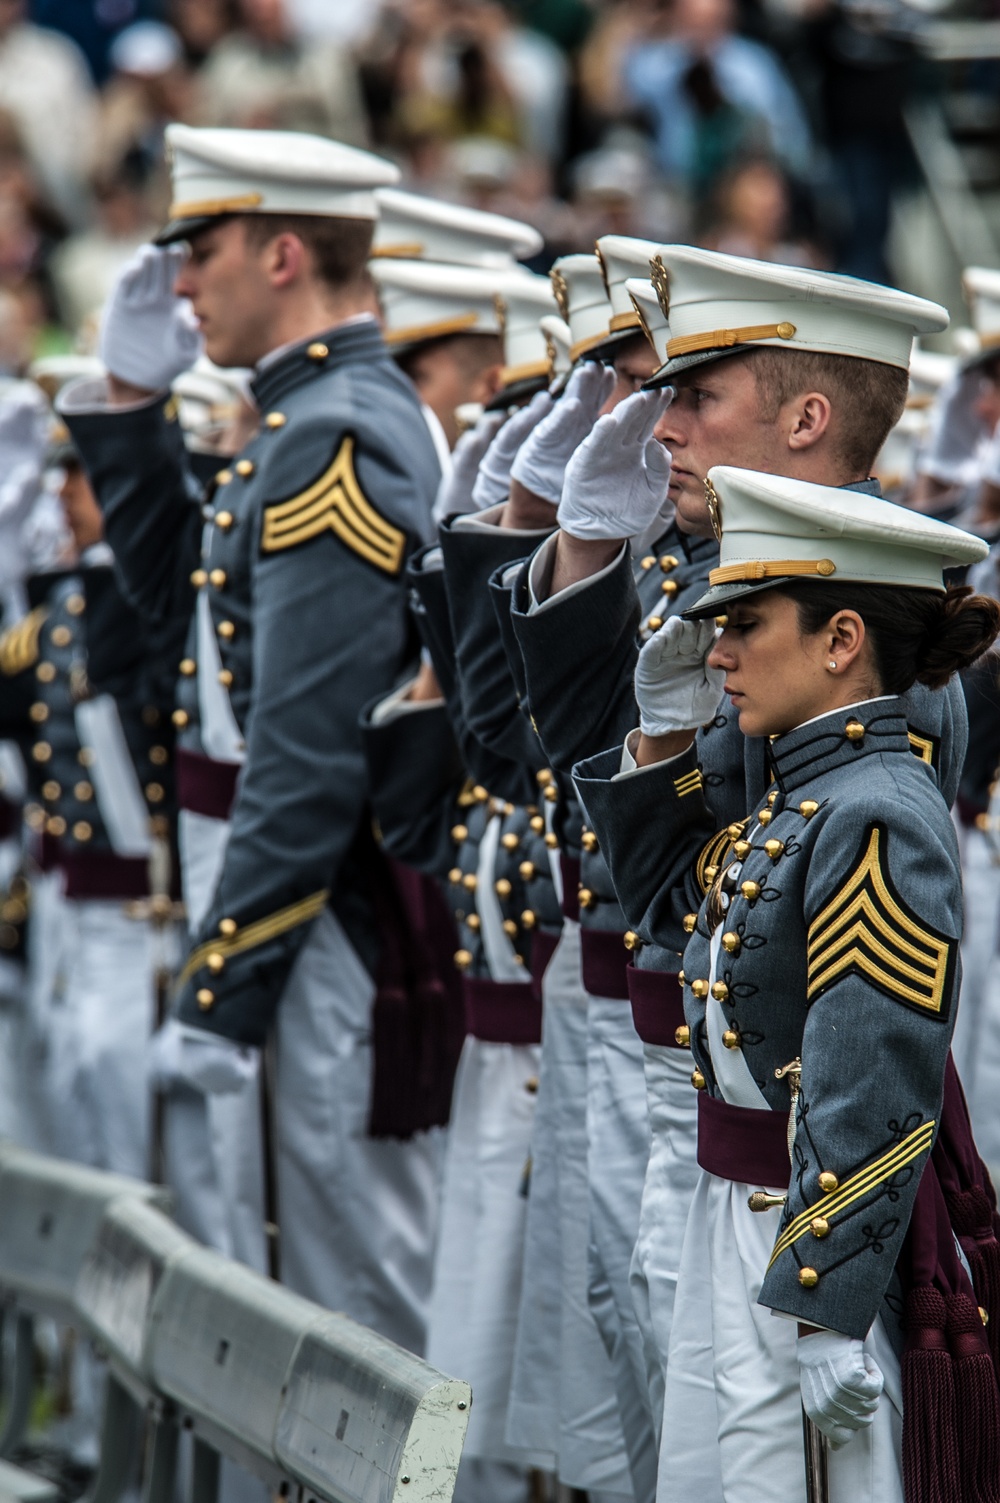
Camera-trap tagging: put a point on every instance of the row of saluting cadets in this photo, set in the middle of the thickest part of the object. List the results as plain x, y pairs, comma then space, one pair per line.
379, 542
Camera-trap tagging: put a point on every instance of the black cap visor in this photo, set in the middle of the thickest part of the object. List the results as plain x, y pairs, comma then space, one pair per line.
718, 598
665, 375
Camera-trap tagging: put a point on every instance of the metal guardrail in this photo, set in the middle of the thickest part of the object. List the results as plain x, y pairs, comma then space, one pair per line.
966, 226
312, 1403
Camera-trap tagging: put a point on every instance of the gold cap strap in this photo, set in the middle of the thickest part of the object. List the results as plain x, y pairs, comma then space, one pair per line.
202, 207
724, 339
772, 568
460, 324
583, 345
624, 321
403, 250
526, 372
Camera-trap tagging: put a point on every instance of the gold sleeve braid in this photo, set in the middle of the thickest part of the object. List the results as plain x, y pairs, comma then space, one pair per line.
19, 645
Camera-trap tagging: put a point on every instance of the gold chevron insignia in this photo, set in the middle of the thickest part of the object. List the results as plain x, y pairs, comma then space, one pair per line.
866, 929
335, 503
19, 643
256, 933
922, 747
689, 783
865, 1182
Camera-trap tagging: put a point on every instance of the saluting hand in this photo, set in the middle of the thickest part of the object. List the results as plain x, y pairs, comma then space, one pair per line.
675, 688
616, 482
149, 335
456, 493
541, 462
493, 481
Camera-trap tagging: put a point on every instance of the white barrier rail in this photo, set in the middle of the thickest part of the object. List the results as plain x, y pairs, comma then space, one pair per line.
317, 1406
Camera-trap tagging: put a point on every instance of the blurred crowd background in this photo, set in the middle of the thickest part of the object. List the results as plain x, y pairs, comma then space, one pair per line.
771, 128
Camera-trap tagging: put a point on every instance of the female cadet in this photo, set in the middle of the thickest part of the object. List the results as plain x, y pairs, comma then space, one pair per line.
820, 976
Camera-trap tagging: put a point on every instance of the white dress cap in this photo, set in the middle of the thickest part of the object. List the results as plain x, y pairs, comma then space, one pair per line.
642, 295
578, 284
719, 304
523, 301
981, 286
557, 344
621, 257
421, 300
215, 172
415, 228
775, 530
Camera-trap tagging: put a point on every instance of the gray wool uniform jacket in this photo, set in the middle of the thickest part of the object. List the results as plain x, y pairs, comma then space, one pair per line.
301, 565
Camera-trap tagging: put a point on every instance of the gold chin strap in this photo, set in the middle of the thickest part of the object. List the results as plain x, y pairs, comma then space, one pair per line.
772, 568
528, 371
460, 324
404, 250
724, 339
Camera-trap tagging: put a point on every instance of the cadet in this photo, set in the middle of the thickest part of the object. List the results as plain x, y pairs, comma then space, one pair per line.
821, 978
298, 612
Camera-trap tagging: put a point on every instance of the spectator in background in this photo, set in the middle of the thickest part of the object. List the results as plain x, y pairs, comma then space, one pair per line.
710, 94
264, 75
201, 25
151, 86
45, 85
751, 215
84, 268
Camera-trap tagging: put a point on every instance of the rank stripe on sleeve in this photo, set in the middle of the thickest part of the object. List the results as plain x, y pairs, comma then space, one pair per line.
865, 1182
256, 933
19, 643
335, 503
867, 929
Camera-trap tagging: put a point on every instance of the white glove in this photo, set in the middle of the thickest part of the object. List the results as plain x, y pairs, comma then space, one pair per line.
616, 482
541, 462
207, 1062
456, 491
493, 481
675, 688
840, 1384
149, 336
25, 421
956, 434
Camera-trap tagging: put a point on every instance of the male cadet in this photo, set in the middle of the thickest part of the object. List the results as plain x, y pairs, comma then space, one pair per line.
298, 612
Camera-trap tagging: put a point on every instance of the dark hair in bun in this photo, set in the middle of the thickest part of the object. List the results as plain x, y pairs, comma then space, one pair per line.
916, 635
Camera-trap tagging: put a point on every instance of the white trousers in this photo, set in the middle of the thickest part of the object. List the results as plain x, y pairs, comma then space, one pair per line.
480, 1252
617, 1154
671, 1176
563, 1399
732, 1430
976, 1045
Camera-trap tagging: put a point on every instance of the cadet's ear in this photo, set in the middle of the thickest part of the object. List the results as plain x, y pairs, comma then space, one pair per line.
487, 384
846, 637
807, 419
285, 259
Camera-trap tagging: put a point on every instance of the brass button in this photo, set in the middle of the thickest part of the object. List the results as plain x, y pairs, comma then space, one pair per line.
187, 667
215, 962
473, 922
510, 841
764, 817
654, 623
808, 808
38, 713
455, 875
180, 718
711, 872
76, 605
509, 928
459, 833
227, 927
648, 561
245, 467
697, 1080
537, 823
51, 790
589, 841
552, 841
700, 988
586, 898
61, 636
275, 420
808, 1278
502, 888
551, 794
470, 881
528, 919
668, 562
527, 871
720, 991
217, 578
819, 1226
670, 588
742, 849
531, 1085
82, 831
41, 751
682, 1036
690, 923
85, 756
750, 890
774, 848
83, 792
983, 1316
159, 756
734, 831
463, 959
828, 1182
45, 672
544, 777
681, 978
154, 792
223, 520
226, 630
204, 998
631, 940
731, 943
56, 825
226, 677
772, 798
199, 578
731, 1038
854, 731
480, 794
224, 477
317, 351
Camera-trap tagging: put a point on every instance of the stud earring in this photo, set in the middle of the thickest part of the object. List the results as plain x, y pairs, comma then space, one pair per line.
832, 666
